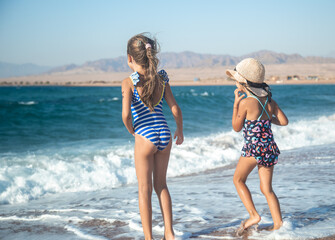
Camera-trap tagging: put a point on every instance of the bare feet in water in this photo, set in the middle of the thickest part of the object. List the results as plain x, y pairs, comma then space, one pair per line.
270, 227
169, 237
248, 223
275, 226
251, 221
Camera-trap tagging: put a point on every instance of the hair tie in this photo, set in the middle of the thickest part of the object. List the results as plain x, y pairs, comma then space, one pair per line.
139, 42
148, 45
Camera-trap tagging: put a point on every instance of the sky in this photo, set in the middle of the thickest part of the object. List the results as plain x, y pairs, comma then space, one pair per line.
59, 32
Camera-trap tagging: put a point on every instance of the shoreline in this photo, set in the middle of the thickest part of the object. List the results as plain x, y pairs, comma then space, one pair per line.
172, 83
331, 237
276, 74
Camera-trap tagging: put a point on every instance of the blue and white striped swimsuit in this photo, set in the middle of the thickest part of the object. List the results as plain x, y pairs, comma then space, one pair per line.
151, 125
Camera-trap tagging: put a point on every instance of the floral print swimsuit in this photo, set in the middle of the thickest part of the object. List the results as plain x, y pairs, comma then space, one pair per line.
259, 141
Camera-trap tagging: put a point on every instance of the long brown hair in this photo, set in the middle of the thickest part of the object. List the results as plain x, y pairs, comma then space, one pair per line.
145, 55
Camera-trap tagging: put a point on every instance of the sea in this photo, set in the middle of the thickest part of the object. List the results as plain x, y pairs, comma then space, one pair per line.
67, 166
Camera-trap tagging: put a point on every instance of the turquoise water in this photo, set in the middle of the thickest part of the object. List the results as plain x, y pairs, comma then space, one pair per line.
34, 117
67, 164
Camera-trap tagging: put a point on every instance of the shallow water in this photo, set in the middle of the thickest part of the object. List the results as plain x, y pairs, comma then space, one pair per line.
204, 205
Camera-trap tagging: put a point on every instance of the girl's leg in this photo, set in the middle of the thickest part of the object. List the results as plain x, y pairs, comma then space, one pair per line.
244, 167
160, 168
144, 163
265, 176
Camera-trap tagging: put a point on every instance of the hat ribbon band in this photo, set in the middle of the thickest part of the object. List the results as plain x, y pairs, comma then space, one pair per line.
257, 85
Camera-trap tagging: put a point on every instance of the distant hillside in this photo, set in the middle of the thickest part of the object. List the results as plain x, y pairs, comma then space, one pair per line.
269, 57
167, 60
191, 59
15, 70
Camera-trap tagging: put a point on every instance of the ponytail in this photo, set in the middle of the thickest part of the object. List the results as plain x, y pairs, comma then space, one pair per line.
144, 51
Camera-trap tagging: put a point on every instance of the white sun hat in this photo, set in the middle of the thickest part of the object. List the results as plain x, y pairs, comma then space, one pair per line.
251, 72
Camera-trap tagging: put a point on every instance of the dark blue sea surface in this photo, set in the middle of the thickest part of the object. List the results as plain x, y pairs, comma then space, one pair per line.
33, 117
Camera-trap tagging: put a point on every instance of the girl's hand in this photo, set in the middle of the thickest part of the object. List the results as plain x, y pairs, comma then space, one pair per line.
180, 137
238, 96
239, 111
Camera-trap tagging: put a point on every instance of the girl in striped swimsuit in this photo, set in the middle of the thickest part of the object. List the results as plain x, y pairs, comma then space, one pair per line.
142, 99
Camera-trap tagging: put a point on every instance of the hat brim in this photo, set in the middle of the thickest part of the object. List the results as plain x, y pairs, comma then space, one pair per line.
259, 92
236, 76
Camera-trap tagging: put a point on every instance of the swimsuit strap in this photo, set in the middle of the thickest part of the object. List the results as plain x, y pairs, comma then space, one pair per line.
165, 78
135, 78
263, 106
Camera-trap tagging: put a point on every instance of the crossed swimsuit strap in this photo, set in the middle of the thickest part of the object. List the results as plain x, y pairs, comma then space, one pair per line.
263, 106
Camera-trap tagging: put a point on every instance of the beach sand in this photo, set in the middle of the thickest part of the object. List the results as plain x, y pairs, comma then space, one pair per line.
275, 74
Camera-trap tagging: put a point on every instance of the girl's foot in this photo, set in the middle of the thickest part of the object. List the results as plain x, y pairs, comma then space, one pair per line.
247, 224
275, 227
171, 236
251, 221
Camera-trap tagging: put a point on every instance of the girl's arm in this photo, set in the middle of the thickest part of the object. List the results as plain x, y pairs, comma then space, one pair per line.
279, 117
176, 112
239, 111
126, 105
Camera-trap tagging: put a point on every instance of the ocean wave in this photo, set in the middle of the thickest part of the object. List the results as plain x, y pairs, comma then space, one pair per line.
87, 167
304, 133
79, 168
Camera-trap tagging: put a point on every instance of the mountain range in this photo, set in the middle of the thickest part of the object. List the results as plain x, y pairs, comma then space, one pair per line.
15, 70
167, 60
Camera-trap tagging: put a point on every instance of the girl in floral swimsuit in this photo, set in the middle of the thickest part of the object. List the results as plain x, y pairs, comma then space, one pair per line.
254, 114
259, 142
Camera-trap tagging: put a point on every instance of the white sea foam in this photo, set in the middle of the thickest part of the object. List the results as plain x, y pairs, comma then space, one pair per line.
83, 235
306, 133
55, 171
28, 103
29, 219
289, 231
204, 94
109, 99
203, 204
89, 167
